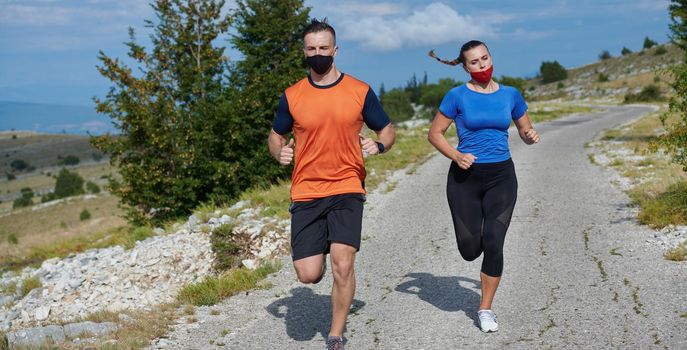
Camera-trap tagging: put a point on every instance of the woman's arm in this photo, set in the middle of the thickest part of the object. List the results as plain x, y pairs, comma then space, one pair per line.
525, 130
440, 124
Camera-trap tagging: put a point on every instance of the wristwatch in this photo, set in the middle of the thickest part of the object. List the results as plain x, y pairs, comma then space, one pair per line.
380, 146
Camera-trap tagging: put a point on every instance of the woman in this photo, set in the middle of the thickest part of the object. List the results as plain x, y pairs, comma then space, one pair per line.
482, 186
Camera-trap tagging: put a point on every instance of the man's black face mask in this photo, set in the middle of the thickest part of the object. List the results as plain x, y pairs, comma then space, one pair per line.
320, 64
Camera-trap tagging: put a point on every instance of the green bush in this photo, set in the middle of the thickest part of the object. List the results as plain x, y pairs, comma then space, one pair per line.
648, 43
84, 215
604, 55
68, 184
397, 105
552, 71
660, 51
603, 77
12, 239
48, 197
22, 202
226, 250
11, 177
68, 160
19, 165
92, 187
648, 94
625, 51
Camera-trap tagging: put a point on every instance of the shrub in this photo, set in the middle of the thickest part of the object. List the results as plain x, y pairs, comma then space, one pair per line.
68, 184
14, 137
625, 51
19, 164
552, 71
68, 160
92, 187
48, 197
660, 51
648, 43
603, 77
604, 55
26, 192
12, 239
396, 103
224, 247
649, 93
84, 215
11, 177
22, 202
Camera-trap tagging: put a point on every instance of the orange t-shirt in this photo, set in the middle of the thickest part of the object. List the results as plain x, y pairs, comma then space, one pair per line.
326, 122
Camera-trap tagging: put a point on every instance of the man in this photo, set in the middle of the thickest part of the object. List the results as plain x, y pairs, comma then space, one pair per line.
326, 111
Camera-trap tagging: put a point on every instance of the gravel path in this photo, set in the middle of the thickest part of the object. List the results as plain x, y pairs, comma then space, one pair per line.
578, 271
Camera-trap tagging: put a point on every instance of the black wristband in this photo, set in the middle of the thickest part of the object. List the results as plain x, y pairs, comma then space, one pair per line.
380, 146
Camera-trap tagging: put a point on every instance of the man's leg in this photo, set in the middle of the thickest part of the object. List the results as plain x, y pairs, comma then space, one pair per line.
343, 289
310, 269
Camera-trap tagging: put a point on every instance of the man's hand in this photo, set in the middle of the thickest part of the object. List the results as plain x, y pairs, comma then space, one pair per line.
368, 144
286, 153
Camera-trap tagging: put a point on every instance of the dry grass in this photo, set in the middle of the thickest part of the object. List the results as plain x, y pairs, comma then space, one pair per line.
91, 172
57, 228
659, 186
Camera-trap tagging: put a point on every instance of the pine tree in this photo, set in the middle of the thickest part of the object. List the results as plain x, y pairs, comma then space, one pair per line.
166, 112
269, 35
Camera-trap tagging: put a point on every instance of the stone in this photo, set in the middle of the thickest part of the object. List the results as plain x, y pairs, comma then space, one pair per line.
75, 330
35, 336
249, 264
42, 313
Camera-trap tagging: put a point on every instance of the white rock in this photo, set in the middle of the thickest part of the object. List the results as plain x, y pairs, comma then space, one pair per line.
249, 263
42, 313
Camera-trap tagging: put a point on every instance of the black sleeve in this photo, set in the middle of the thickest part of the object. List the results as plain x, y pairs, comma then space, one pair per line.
373, 114
283, 121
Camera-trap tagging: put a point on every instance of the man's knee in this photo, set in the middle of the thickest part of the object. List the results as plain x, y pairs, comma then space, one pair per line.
309, 275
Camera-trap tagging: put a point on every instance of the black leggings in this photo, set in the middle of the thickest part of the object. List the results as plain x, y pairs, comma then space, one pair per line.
482, 199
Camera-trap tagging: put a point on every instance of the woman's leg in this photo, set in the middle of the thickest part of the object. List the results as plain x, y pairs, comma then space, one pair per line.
464, 199
498, 203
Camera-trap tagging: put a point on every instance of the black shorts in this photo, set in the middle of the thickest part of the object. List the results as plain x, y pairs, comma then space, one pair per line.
317, 223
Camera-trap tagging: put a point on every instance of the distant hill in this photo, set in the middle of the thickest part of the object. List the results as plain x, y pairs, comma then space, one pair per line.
613, 77
54, 119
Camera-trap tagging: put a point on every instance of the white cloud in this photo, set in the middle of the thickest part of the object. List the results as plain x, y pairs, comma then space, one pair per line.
434, 24
363, 8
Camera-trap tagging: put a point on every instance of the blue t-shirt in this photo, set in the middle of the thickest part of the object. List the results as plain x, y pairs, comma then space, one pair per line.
482, 120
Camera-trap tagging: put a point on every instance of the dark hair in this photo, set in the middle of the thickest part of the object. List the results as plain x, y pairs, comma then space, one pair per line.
461, 58
316, 26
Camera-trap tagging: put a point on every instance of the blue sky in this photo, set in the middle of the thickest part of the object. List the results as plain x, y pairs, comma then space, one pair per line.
48, 48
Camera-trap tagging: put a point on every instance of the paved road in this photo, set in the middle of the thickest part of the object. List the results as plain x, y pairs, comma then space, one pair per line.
578, 271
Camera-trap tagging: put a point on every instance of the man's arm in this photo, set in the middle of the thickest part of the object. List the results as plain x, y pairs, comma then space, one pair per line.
282, 152
386, 136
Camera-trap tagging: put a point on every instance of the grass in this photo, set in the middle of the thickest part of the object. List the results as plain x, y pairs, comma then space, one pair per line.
541, 112
678, 253
213, 289
126, 236
659, 186
666, 208
29, 284
53, 225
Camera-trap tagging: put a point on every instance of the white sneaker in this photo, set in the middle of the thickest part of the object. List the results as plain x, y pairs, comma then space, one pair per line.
487, 321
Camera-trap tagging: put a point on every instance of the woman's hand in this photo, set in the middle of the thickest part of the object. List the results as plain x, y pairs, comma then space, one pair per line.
464, 160
530, 136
